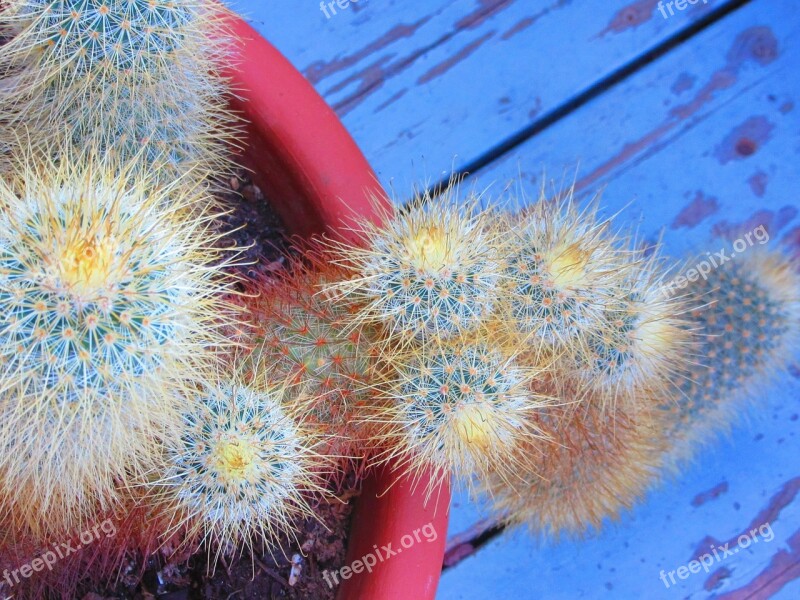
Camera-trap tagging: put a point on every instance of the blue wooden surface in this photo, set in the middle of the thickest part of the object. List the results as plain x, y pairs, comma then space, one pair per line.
698, 135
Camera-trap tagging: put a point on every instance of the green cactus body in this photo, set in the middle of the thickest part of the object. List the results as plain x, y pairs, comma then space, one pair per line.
643, 341
134, 78
560, 274
432, 270
461, 409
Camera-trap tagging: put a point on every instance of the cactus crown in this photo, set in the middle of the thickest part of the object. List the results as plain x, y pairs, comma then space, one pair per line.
644, 340
559, 273
431, 270
461, 409
241, 466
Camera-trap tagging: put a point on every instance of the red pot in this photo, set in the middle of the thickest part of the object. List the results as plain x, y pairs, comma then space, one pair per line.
306, 163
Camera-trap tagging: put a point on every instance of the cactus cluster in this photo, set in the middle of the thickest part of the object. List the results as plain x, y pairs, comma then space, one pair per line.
106, 296
533, 356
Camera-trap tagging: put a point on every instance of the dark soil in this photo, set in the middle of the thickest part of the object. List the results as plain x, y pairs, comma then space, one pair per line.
320, 546
252, 226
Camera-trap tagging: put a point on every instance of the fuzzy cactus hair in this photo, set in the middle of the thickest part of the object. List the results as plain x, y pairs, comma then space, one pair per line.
300, 334
138, 79
457, 409
559, 277
109, 296
644, 345
592, 465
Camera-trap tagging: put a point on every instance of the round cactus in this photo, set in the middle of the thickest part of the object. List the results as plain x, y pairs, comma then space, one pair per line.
748, 312
241, 467
561, 269
643, 343
136, 78
459, 409
593, 464
431, 269
106, 299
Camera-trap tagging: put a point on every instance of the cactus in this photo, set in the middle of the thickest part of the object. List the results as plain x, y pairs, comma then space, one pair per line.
459, 408
748, 310
558, 281
135, 78
644, 342
107, 299
592, 464
300, 335
242, 466
430, 269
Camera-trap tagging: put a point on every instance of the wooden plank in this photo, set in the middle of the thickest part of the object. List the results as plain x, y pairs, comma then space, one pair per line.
424, 86
705, 143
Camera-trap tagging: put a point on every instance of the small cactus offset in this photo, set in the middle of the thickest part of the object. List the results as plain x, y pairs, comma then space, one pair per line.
431, 269
242, 467
459, 408
300, 335
107, 300
748, 311
134, 78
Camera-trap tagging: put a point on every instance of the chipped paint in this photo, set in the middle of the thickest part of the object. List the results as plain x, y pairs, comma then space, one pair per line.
745, 139
758, 183
712, 494
696, 211
444, 66
683, 83
631, 16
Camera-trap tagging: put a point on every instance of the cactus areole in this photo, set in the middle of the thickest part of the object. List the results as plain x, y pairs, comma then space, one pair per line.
306, 162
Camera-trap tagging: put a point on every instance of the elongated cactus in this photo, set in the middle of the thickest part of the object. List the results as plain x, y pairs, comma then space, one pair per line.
242, 466
431, 269
107, 300
460, 409
748, 311
134, 78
